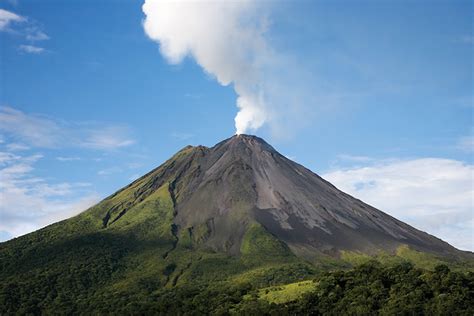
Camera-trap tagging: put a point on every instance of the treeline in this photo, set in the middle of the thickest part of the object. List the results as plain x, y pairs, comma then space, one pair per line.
369, 289
373, 289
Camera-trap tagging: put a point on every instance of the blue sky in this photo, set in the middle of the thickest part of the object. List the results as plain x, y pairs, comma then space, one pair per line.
375, 96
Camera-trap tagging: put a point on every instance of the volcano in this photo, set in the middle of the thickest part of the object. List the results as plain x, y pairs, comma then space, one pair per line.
236, 211
242, 182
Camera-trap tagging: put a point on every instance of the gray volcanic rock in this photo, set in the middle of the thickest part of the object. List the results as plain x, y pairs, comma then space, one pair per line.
242, 180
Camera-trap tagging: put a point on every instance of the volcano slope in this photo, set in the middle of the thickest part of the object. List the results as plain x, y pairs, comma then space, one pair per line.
238, 215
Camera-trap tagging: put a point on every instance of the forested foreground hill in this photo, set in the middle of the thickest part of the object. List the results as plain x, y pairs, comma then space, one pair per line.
371, 289
368, 289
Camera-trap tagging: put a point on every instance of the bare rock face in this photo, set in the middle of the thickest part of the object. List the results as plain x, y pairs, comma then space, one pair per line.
219, 192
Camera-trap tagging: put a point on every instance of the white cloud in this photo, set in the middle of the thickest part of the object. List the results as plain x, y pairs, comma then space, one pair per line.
115, 169
466, 143
228, 39
225, 38
110, 137
41, 131
434, 195
134, 177
109, 171
7, 17
16, 147
29, 29
134, 165
355, 158
7, 157
28, 203
63, 159
34, 34
195, 96
33, 129
31, 49
468, 39
182, 136
120, 169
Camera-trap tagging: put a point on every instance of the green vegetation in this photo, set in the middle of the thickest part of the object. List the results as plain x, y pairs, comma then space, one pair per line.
258, 245
400, 289
286, 293
107, 274
403, 254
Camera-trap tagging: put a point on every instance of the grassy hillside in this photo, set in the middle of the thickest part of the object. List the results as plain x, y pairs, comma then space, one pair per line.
281, 294
404, 253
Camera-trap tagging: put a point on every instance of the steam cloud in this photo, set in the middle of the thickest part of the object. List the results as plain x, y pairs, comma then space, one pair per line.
227, 39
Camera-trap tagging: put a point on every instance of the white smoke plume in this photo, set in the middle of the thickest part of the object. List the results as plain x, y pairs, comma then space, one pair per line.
227, 39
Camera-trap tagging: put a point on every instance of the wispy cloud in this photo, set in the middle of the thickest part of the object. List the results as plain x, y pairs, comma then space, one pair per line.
35, 34
45, 132
31, 49
466, 143
33, 129
134, 165
354, 158
193, 96
107, 138
468, 39
134, 177
16, 147
182, 136
109, 171
432, 194
116, 169
6, 157
63, 159
7, 18
28, 202
27, 28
